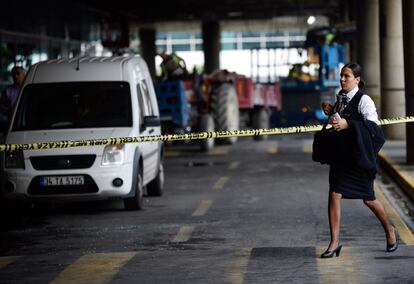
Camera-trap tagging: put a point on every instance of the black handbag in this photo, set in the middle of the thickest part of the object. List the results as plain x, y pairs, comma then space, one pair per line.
325, 144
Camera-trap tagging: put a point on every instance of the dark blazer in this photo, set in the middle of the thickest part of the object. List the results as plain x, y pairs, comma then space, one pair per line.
369, 141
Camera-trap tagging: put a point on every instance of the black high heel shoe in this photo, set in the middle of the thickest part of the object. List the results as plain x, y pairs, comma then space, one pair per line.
393, 247
330, 253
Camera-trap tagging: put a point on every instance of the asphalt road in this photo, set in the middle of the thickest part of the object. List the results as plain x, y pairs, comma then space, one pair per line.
254, 212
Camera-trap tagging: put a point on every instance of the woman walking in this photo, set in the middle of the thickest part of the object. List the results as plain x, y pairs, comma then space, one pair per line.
352, 173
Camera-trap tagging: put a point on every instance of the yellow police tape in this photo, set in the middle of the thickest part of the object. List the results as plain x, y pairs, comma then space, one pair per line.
178, 137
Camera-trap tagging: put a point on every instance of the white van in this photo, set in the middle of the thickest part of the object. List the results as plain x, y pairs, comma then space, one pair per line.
85, 98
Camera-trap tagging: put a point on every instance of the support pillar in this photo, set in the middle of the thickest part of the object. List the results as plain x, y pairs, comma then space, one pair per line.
368, 48
408, 31
147, 48
211, 45
392, 67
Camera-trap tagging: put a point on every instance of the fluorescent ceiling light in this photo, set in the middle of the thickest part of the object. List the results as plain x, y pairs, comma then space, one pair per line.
311, 20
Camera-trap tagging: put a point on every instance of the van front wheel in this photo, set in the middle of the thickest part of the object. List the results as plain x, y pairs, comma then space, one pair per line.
156, 186
135, 202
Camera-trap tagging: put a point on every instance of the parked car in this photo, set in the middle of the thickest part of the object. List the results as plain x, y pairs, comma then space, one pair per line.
86, 98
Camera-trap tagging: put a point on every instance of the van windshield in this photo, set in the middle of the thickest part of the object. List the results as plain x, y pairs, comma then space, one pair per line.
74, 105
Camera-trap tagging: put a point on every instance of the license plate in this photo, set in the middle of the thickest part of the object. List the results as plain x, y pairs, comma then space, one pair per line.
62, 180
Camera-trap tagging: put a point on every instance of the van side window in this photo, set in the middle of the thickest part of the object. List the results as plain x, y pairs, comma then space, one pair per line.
143, 109
147, 97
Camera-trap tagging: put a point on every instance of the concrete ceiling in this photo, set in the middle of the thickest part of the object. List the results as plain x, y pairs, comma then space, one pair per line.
79, 19
190, 10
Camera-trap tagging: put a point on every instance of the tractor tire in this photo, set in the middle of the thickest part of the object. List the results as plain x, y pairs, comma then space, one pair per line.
260, 120
225, 110
206, 125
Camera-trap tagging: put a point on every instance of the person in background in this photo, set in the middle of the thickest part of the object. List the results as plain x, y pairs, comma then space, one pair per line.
172, 67
9, 95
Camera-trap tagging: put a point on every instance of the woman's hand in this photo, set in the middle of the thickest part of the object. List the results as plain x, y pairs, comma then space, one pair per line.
327, 107
340, 124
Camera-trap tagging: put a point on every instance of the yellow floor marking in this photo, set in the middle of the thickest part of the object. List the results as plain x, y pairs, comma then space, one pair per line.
94, 268
6, 260
218, 151
307, 149
405, 234
183, 234
220, 183
272, 150
236, 276
337, 269
202, 208
234, 165
172, 153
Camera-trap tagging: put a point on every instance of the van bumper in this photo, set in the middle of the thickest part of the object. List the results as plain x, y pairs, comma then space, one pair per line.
99, 184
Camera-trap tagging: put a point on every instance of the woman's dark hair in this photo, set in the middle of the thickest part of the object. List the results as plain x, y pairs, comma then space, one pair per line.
357, 71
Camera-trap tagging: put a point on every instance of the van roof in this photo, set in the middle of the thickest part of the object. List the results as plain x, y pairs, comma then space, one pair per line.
88, 59
82, 69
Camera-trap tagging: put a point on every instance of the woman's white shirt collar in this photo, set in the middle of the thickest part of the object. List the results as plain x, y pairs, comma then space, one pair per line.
352, 93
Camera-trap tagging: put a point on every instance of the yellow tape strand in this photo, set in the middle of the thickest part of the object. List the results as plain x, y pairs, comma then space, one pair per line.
179, 137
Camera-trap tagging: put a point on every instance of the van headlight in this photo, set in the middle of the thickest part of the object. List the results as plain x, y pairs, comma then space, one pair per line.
113, 155
14, 160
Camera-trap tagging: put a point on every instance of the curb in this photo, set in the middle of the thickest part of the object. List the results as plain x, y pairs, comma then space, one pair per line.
400, 176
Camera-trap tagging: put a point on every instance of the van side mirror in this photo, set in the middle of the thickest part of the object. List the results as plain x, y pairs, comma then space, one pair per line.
151, 121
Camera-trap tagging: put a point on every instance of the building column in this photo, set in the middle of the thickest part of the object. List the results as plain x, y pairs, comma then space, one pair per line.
211, 45
368, 48
408, 32
147, 48
392, 67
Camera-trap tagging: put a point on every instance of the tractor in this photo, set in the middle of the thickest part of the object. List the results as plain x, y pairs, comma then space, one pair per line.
219, 101
201, 103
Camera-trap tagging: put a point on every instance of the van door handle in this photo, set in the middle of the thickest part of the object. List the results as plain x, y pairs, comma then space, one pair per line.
151, 130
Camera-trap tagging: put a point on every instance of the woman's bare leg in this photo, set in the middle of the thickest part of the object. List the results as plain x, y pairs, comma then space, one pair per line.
334, 212
379, 211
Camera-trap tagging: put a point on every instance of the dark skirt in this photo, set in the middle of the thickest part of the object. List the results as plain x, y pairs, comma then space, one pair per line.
351, 181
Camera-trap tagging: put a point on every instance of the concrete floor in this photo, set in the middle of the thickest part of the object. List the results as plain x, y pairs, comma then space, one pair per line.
254, 212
